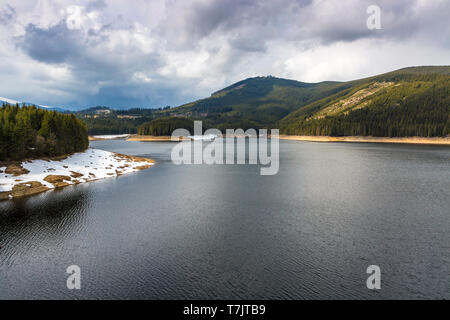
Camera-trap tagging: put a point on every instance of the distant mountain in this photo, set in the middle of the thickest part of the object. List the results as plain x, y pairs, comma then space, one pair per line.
407, 102
256, 102
11, 101
104, 120
413, 101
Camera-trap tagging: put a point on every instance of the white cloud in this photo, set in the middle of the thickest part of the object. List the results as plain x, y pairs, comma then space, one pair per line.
154, 53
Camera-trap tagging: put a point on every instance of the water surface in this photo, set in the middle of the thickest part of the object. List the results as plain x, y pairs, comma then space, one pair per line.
225, 232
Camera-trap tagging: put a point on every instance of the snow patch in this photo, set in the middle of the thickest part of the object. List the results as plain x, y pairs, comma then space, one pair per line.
112, 136
207, 137
10, 101
93, 164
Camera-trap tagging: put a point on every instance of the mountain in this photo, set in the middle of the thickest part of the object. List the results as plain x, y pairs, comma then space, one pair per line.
406, 102
103, 120
256, 102
412, 101
13, 102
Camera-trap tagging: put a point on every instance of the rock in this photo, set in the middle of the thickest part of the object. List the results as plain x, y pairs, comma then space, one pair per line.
16, 170
75, 174
58, 181
4, 195
28, 188
61, 184
56, 178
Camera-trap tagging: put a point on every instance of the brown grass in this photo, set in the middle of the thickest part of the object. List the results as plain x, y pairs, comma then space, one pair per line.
410, 140
155, 138
16, 169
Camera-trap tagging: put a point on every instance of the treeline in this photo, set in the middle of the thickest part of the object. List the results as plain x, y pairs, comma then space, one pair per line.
165, 126
396, 114
103, 120
110, 125
30, 132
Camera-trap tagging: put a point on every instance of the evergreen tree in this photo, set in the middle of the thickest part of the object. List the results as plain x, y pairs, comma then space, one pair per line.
28, 132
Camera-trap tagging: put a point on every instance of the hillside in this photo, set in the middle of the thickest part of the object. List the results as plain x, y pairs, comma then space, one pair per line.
406, 102
252, 103
256, 102
103, 120
412, 101
165, 126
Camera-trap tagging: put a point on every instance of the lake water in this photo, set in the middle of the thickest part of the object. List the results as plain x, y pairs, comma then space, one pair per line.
226, 232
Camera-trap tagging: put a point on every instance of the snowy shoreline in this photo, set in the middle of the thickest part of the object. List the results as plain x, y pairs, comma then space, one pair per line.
110, 137
36, 176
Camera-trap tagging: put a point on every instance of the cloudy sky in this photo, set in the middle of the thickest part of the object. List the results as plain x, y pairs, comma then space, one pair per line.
119, 53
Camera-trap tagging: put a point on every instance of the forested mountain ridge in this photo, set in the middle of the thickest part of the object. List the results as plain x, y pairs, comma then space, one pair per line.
103, 120
406, 102
165, 126
256, 102
413, 101
251, 103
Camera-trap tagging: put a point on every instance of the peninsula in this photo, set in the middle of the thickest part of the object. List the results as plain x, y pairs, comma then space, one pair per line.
42, 150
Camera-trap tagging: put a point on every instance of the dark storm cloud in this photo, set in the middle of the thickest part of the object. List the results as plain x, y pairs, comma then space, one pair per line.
54, 45
92, 64
305, 20
206, 18
167, 52
249, 25
230, 15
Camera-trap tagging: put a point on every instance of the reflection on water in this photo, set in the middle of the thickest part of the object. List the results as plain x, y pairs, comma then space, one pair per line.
226, 232
43, 212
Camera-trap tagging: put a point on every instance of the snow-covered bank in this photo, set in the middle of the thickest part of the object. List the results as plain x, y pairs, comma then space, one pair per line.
36, 176
206, 137
110, 137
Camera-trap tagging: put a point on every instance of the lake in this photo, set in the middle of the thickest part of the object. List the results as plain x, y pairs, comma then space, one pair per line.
226, 232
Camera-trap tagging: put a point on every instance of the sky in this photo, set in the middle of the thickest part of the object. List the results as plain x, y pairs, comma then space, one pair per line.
118, 53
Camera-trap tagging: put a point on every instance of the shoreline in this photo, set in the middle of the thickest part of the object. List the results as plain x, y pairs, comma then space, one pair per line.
369, 139
155, 138
29, 177
361, 139
110, 137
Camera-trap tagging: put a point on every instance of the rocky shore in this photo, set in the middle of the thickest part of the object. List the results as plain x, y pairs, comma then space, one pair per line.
19, 179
